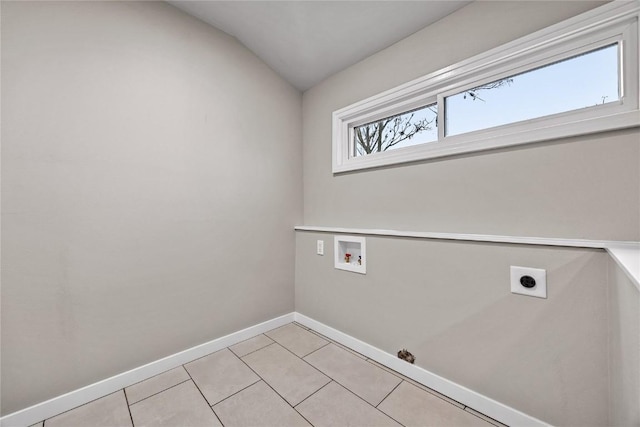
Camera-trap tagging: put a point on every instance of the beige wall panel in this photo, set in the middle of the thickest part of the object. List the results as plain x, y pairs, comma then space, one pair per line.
584, 187
450, 304
624, 342
151, 179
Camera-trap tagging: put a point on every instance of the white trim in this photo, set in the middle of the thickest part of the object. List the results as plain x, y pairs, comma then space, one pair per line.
477, 401
65, 402
628, 258
625, 253
518, 240
615, 21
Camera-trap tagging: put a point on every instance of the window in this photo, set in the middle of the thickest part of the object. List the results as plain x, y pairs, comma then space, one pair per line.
414, 127
583, 81
574, 78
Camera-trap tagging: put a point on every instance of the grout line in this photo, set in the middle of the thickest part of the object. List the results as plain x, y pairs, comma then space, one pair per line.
308, 354
348, 389
388, 394
153, 376
375, 408
216, 415
329, 341
245, 341
279, 327
364, 400
330, 378
80, 406
488, 419
233, 394
269, 385
161, 391
320, 335
281, 397
295, 408
299, 403
390, 371
205, 399
184, 365
240, 357
349, 349
303, 417
128, 408
300, 324
415, 383
303, 360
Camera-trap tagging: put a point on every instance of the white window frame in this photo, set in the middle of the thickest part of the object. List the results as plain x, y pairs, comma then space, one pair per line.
615, 22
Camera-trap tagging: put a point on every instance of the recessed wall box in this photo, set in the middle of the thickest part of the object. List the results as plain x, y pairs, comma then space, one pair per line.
351, 254
529, 281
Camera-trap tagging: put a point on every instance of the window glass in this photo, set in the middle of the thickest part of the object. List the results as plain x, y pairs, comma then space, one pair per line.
403, 130
578, 82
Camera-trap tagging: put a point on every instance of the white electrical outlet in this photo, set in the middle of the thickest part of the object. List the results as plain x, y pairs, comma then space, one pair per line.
320, 247
529, 281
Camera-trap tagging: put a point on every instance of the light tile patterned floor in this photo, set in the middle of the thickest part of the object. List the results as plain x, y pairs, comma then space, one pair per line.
290, 376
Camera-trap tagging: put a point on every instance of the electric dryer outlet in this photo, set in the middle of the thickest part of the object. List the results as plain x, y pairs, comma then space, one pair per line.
529, 281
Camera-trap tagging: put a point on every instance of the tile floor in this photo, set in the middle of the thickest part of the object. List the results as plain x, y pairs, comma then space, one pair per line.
289, 376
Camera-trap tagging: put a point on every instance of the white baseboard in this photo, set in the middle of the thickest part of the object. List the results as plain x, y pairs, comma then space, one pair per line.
477, 401
65, 402
57, 405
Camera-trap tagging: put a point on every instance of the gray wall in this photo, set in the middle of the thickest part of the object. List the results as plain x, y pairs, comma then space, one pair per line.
565, 188
151, 179
450, 304
624, 347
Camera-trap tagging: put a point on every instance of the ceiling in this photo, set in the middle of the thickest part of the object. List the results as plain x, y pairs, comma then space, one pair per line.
307, 41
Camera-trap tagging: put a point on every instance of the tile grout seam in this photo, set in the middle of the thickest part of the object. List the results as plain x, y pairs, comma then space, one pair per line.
274, 390
342, 385
153, 376
234, 393
295, 408
126, 399
157, 393
493, 421
309, 354
389, 394
419, 385
330, 378
329, 341
300, 403
79, 406
251, 352
202, 394
349, 349
303, 359
358, 397
433, 393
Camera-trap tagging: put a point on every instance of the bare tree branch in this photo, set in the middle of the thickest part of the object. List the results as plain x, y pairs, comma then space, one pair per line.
385, 133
